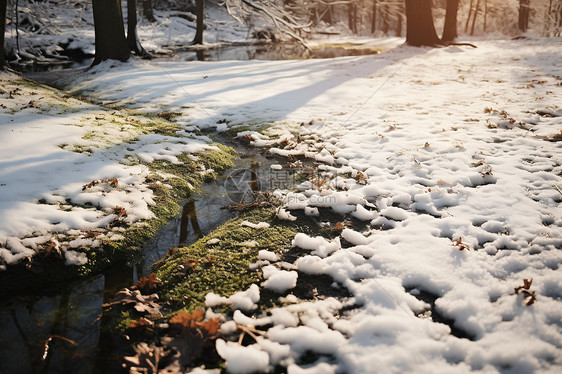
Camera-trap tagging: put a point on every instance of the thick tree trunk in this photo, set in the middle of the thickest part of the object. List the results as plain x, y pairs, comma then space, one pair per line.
200, 5
147, 10
419, 22
450, 29
111, 43
132, 37
3, 6
524, 15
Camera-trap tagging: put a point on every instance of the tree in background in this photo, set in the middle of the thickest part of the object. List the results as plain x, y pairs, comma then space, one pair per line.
147, 10
524, 15
450, 28
200, 10
132, 37
3, 6
352, 16
419, 23
374, 17
110, 34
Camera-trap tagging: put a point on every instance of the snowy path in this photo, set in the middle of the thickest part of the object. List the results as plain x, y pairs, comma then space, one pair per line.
452, 155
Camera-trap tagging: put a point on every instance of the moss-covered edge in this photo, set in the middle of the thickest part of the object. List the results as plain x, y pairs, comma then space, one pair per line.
219, 263
184, 181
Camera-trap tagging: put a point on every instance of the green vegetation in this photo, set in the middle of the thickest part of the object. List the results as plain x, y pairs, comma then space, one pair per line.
49, 268
223, 267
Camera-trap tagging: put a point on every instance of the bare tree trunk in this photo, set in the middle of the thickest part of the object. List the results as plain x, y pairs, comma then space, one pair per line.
548, 22
200, 22
374, 20
110, 34
329, 15
148, 11
17, 27
469, 15
559, 19
524, 15
3, 7
485, 15
450, 29
399, 24
475, 15
352, 17
385, 19
132, 37
314, 15
419, 21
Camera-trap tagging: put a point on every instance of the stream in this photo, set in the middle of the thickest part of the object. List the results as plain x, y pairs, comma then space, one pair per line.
61, 333
244, 52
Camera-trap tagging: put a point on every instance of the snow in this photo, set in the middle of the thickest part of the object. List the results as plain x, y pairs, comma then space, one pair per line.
259, 225
284, 215
318, 244
321, 368
267, 255
243, 300
279, 280
442, 162
43, 181
242, 360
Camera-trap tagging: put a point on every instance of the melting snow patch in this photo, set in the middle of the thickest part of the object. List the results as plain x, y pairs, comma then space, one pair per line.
279, 280
259, 225
267, 255
318, 245
282, 214
244, 300
243, 360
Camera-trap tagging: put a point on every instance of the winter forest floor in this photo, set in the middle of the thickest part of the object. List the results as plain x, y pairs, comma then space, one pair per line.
422, 232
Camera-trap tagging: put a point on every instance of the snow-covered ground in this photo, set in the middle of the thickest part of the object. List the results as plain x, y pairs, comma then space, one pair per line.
459, 191
450, 158
64, 170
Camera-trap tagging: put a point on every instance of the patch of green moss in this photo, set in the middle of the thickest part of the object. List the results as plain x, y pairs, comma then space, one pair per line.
52, 271
89, 135
167, 205
196, 168
223, 267
81, 149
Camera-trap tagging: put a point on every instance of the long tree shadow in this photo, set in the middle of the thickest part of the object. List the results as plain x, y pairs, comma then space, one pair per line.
268, 90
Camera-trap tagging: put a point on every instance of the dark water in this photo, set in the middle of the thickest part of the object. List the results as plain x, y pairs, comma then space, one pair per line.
279, 51
50, 74
60, 333
52, 334
206, 210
